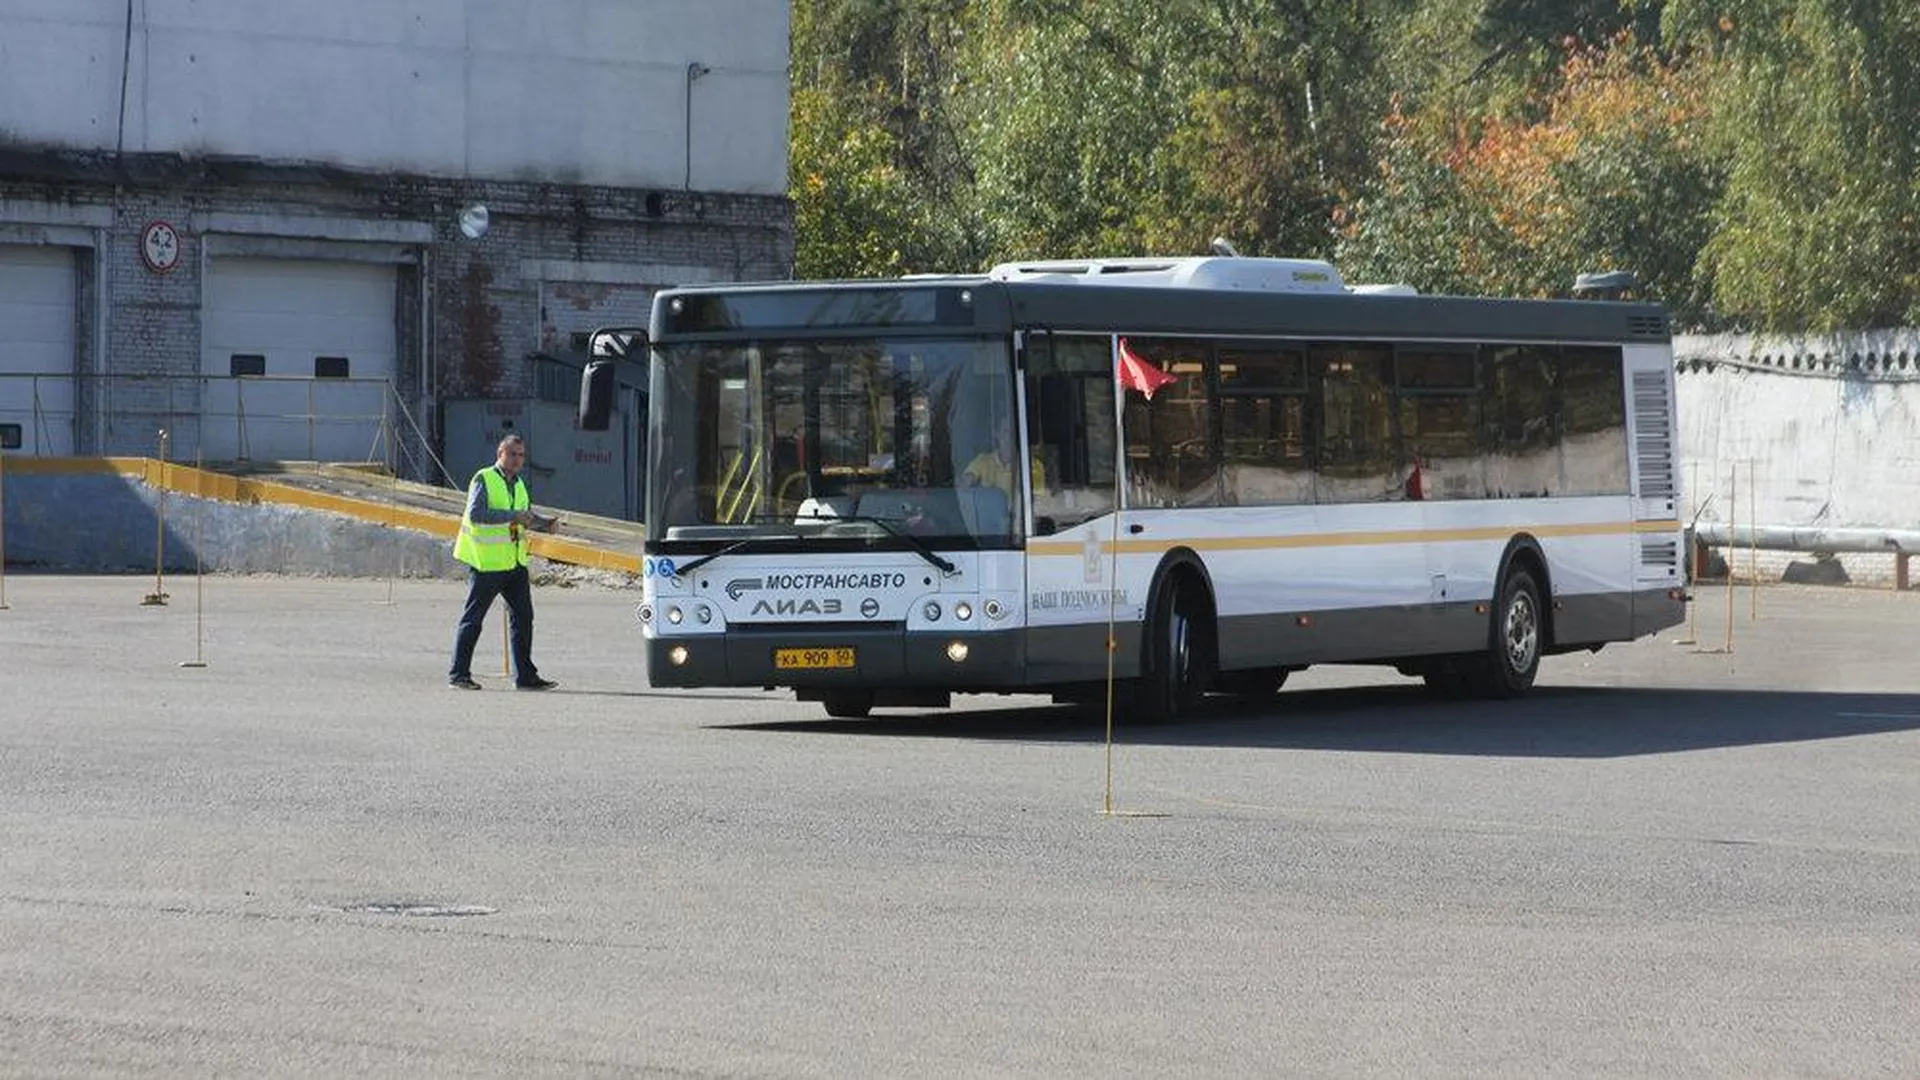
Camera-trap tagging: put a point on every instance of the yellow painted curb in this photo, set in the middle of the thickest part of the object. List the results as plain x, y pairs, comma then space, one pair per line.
187, 480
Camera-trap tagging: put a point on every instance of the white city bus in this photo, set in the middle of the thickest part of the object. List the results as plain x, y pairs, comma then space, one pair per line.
885, 492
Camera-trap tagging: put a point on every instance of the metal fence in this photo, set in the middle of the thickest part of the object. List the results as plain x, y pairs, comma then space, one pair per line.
215, 418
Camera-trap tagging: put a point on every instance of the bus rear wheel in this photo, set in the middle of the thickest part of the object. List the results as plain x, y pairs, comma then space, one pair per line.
848, 704
1512, 659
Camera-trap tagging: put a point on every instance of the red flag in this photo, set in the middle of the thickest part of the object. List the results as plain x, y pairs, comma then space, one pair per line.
1417, 480
1137, 374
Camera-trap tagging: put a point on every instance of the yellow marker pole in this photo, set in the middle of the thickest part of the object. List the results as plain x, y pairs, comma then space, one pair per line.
393, 506
3, 528
159, 594
1693, 614
393, 522
1733, 523
1693, 559
199, 578
1753, 541
1113, 599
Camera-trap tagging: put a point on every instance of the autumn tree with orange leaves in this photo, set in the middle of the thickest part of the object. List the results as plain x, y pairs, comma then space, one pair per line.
1604, 172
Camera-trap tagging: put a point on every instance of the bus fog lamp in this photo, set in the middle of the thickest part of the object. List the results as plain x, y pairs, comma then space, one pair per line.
963, 611
675, 615
677, 656
931, 611
957, 651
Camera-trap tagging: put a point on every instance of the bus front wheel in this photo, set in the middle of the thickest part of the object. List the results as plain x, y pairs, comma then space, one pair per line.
1177, 658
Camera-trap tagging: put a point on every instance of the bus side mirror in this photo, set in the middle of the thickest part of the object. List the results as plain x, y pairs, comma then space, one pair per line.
597, 385
600, 381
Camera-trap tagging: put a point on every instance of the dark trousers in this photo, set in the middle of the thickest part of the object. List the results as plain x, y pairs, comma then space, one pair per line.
515, 586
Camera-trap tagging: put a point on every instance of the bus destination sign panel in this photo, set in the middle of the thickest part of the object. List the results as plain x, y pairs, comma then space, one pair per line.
823, 309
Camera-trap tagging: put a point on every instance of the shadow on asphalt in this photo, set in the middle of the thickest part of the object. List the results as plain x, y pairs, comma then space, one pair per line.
1572, 722
702, 695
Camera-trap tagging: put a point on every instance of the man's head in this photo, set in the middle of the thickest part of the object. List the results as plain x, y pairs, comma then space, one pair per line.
511, 454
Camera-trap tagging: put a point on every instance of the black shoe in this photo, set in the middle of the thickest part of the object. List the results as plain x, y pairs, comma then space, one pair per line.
536, 683
463, 682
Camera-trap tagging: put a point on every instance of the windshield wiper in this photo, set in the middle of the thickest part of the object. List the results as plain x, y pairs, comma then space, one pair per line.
743, 542
892, 527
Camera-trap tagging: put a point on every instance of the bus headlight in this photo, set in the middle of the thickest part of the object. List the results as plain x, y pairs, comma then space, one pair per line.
644, 613
931, 611
963, 611
704, 614
994, 610
675, 615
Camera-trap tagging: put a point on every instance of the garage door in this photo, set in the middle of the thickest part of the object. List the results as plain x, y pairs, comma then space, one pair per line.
300, 354
36, 349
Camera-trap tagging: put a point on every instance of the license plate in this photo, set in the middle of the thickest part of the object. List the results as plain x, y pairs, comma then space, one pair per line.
812, 659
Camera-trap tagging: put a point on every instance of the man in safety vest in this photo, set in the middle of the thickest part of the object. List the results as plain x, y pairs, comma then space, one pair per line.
493, 544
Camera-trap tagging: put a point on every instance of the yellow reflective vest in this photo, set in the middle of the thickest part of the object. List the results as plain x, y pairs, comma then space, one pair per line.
493, 547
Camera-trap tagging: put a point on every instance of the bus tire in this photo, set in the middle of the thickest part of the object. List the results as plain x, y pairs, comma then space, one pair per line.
1515, 637
848, 704
1176, 653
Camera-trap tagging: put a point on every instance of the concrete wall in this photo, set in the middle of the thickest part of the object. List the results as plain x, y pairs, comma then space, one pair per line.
672, 94
1802, 431
99, 522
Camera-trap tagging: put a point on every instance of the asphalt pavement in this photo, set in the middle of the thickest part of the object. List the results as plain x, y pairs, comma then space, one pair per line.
309, 857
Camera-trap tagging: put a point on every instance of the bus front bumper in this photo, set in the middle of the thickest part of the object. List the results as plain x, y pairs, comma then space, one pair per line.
881, 657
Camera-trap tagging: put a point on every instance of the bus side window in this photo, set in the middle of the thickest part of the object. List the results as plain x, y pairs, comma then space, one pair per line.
1170, 452
1523, 436
1439, 394
1593, 411
1263, 435
1355, 458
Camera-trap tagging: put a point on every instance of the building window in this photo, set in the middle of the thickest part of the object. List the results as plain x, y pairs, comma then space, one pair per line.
330, 367
10, 437
246, 364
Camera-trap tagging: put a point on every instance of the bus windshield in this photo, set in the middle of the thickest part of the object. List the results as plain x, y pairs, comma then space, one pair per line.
869, 440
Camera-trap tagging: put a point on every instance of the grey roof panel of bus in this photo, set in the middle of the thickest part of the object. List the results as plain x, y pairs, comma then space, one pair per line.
1002, 306
1066, 307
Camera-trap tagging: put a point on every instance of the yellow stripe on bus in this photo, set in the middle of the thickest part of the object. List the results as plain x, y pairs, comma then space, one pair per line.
1353, 539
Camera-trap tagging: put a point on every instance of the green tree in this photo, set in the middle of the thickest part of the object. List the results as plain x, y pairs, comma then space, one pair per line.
853, 210
878, 163
1149, 126
1816, 107
1607, 174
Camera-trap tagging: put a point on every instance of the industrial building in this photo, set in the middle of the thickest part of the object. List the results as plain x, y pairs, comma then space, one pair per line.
368, 229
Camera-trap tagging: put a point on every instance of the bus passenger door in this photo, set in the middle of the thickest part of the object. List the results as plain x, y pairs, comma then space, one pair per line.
1067, 412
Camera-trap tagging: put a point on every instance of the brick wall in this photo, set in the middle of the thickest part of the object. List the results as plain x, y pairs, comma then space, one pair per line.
488, 303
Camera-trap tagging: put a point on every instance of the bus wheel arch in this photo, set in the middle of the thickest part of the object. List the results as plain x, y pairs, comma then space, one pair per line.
1519, 628
1179, 650
1525, 551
